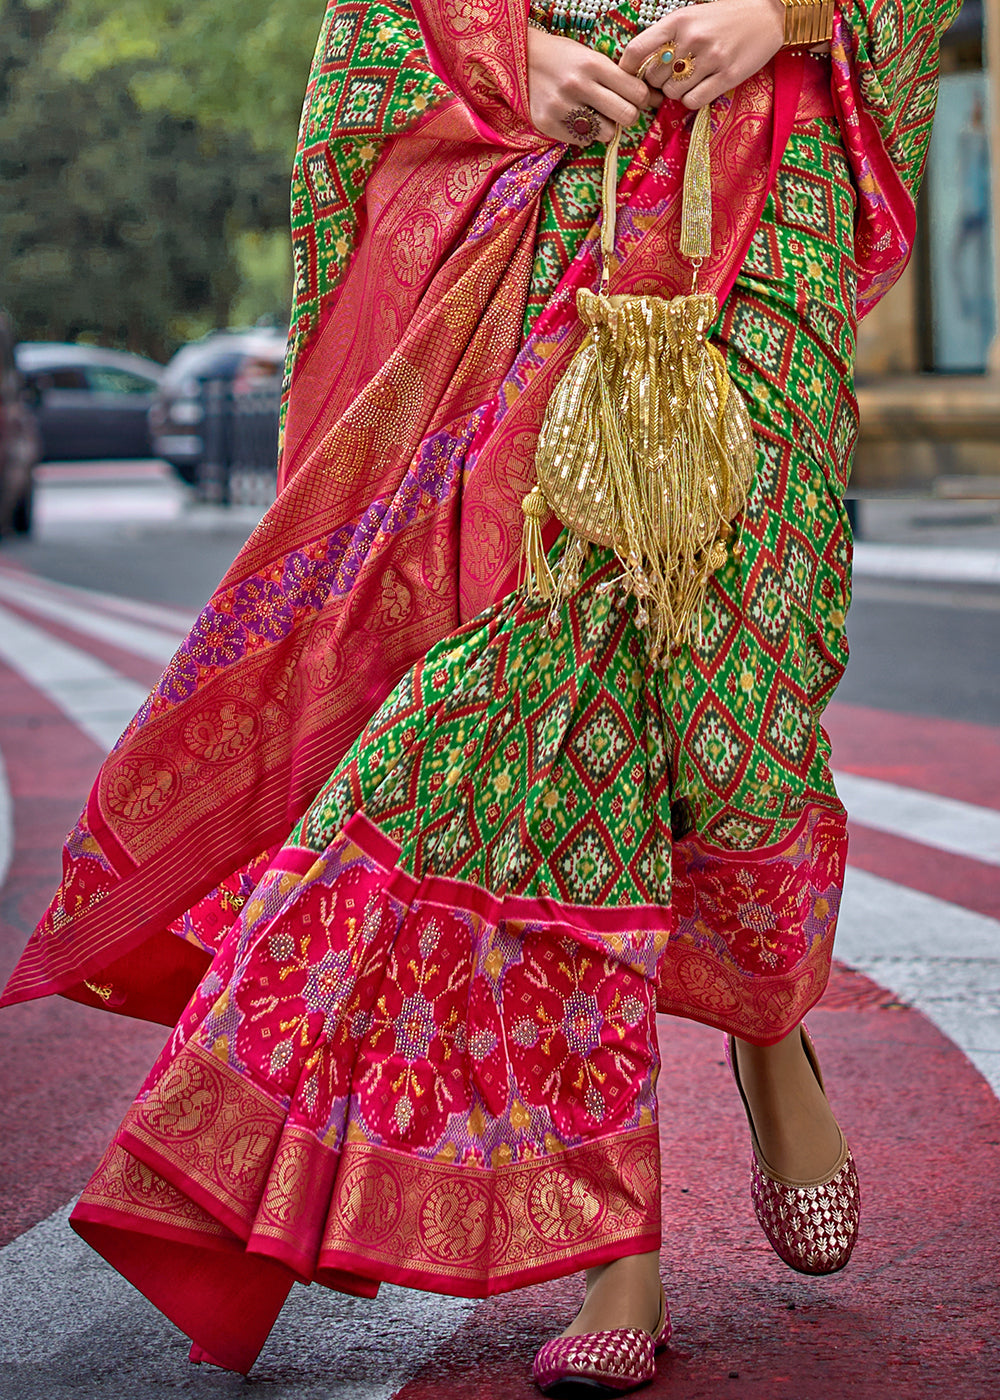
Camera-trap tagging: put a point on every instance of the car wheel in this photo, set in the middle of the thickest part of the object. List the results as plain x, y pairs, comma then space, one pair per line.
187, 471
21, 516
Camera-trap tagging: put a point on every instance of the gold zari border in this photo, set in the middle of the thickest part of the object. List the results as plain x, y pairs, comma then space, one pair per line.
208, 1153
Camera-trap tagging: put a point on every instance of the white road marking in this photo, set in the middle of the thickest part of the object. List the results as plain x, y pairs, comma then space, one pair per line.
940, 563
97, 699
136, 637
934, 955
62, 510
175, 620
68, 1316
6, 824
942, 822
110, 505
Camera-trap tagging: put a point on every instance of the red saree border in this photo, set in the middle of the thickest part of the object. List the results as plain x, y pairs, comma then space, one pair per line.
692, 984
542, 911
650, 938
699, 970
887, 211
208, 1165
417, 1223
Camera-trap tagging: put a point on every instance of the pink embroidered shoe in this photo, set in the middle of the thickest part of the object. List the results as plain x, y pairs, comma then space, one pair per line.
811, 1225
601, 1363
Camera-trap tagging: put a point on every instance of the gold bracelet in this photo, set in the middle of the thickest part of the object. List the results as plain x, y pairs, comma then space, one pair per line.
808, 22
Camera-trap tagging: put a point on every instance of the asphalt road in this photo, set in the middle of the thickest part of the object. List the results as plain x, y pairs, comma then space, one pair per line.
909, 1032
918, 646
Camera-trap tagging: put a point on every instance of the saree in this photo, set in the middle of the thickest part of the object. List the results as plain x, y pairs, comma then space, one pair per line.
414, 1039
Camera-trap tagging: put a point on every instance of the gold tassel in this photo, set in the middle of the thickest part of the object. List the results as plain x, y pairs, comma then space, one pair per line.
646, 444
538, 580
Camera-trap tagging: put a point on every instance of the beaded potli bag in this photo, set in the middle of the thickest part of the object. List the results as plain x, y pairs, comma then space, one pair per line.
647, 446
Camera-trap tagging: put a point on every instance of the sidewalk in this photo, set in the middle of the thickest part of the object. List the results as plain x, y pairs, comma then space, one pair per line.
929, 538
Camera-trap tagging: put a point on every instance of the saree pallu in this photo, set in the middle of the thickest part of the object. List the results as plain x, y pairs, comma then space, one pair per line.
415, 1039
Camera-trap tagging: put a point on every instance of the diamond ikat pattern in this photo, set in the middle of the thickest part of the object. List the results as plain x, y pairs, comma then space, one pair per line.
545, 757
805, 202
371, 78
716, 746
757, 334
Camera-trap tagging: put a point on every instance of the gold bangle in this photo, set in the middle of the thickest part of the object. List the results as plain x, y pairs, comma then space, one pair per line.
808, 22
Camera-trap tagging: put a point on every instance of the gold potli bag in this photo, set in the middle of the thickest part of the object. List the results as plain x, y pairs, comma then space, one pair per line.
647, 445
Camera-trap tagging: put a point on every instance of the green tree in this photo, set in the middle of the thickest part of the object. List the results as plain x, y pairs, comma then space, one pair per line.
125, 219
240, 68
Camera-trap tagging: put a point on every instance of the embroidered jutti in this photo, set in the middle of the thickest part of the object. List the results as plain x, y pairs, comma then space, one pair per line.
415, 1036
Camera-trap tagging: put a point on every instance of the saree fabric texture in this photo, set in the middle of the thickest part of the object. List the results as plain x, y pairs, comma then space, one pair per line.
408, 861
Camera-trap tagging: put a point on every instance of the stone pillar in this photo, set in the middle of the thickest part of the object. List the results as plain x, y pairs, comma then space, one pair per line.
991, 54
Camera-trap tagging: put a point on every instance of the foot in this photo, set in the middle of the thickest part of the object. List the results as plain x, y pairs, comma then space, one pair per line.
796, 1129
624, 1293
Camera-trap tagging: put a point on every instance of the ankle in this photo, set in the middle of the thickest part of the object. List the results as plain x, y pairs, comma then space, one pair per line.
797, 1133
623, 1293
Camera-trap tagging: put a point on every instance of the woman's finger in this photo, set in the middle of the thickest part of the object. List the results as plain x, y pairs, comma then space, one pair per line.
579, 95
669, 30
615, 108
643, 46
685, 71
607, 74
702, 93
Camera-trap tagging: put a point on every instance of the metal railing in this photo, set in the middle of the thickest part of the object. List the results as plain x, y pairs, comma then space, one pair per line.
239, 464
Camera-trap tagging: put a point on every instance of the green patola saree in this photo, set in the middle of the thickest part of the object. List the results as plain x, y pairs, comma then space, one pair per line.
414, 1038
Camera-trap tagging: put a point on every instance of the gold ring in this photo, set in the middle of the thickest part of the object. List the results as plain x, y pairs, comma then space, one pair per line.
680, 68
583, 123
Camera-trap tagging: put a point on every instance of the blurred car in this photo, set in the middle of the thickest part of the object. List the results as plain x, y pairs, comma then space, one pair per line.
89, 402
19, 441
234, 358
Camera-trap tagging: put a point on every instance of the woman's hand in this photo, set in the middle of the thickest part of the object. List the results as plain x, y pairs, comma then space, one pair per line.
567, 80
727, 40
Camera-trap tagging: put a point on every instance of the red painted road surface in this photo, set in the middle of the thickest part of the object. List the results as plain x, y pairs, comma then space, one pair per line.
916, 1312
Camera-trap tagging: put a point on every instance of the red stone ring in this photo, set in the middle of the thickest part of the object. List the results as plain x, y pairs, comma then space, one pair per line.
680, 68
584, 124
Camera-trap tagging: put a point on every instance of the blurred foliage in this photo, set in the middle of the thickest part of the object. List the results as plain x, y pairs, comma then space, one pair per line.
265, 267
145, 152
242, 68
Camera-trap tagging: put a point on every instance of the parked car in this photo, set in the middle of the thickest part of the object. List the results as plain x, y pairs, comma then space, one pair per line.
19, 441
234, 358
89, 402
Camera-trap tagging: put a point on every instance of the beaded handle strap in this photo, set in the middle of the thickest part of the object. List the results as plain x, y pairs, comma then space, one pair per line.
696, 207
